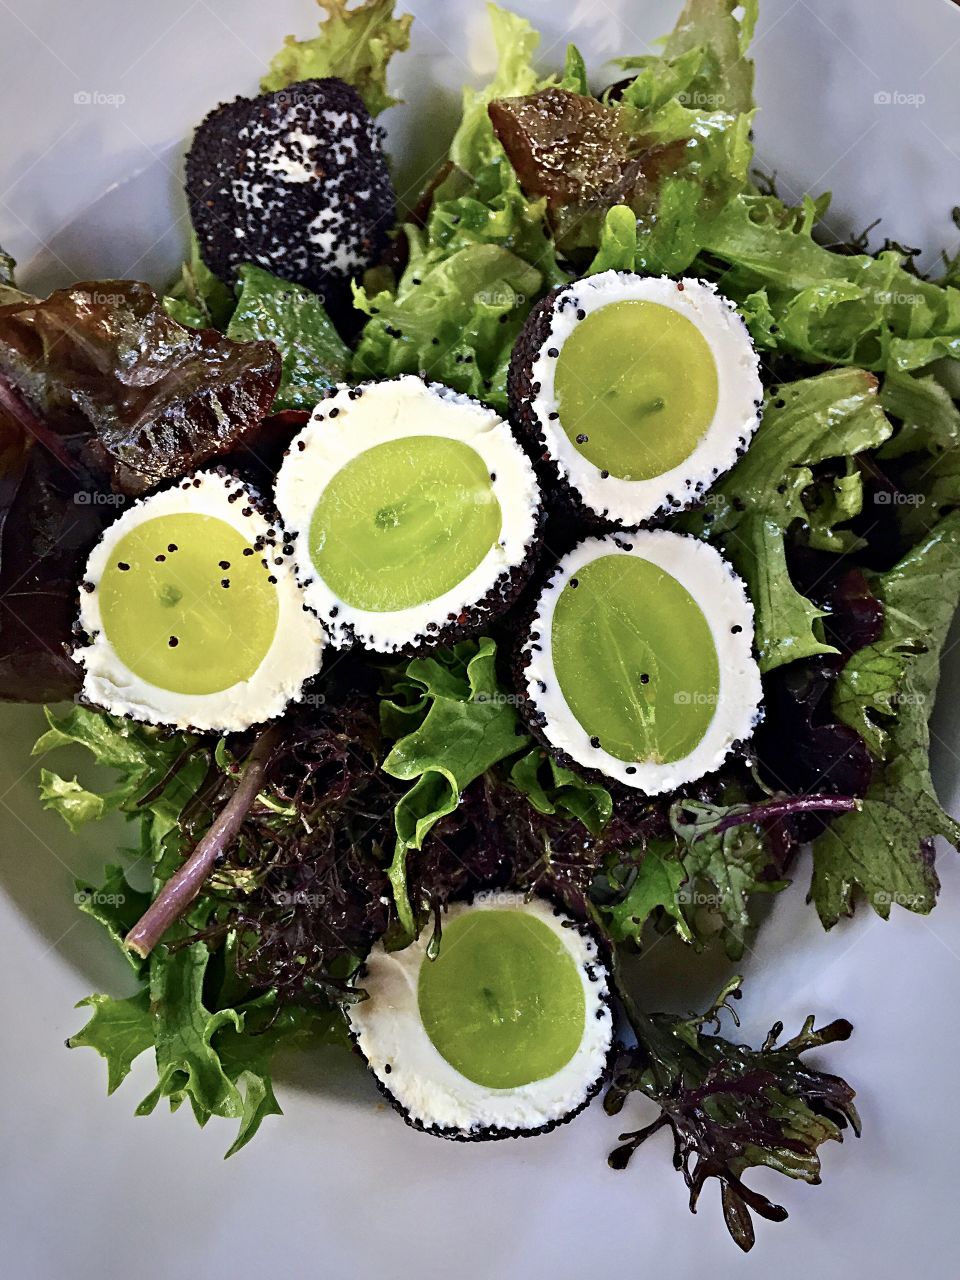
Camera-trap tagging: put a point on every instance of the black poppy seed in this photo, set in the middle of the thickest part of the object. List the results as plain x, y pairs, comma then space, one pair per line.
272, 580
173, 547
88, 586
631, 768
160, 558
173, 642
552, 352
334, 611
644, 678
271, 533
595, 743
582, 439
493, 476
604, 475
278, 560
736, 628
581, 314
196, 483
231, 497
301, 445
288, 550
225, 582
574, 582
435, 341
334, 412
247, 511
224, 564
248, 551
122, 566
386, 1066
552, 417
542, 685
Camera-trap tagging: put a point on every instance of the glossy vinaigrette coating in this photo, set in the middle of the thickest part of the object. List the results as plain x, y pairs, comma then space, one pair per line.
635, 659
404, 522
503, 1002
183, 605
636, 388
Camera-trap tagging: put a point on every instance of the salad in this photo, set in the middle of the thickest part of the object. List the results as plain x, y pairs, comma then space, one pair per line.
462, 596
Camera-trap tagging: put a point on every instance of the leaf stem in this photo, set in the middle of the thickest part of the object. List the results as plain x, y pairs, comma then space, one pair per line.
185, 884
13, 403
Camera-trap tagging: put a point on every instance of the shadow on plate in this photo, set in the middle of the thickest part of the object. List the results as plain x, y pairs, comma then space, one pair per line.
138, 229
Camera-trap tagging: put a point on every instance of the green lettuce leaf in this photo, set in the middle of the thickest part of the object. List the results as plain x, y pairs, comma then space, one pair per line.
830, 308
116, 906
703, 126
294, 320
649, 885
478, 264
551, 789
574, 75
677, 146
218, 1060
9, 293
354, 44
805, 423
723, 870
198, 299
929, 416
455, 317
119, 1030
457, 724
701, 884
139, 755
888, 693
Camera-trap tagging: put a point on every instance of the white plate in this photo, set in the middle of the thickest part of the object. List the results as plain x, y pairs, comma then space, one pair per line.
340, 1186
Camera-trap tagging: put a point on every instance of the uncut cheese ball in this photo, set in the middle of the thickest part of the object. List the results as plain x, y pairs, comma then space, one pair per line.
295, 181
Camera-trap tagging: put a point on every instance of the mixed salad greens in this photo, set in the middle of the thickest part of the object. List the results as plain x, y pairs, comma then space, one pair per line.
399, 785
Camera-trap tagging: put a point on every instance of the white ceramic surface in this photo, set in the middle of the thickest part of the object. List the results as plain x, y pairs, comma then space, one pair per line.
857, 96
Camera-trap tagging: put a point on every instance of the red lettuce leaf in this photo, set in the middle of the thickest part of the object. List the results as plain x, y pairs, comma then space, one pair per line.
135, 395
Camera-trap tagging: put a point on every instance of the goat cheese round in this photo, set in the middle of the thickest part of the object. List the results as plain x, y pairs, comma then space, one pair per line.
506, 1032
639, 661
191, 612
414, 513
635, 393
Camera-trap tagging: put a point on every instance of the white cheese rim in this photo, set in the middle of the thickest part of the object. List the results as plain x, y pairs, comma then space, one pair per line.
739, 394
354, 420
435, 1095
295, 653
721, 596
